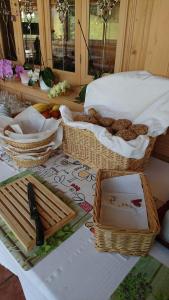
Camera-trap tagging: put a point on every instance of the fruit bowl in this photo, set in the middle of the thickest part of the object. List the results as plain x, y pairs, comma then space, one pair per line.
48, 110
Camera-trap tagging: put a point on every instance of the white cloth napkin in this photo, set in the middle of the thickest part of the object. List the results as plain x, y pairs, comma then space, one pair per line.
29, 125
138, 96
36, 153
123, 203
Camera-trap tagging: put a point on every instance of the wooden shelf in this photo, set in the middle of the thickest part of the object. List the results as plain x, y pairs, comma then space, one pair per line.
35, 94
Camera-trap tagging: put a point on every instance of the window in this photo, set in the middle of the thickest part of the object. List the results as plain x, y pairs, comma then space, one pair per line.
7, 40
102, 38
76, 43
63, 38
30, 31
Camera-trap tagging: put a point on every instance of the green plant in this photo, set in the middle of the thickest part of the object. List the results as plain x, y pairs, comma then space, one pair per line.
47, 76
82, 94
55, 240
161, 296
134, 287
27, 66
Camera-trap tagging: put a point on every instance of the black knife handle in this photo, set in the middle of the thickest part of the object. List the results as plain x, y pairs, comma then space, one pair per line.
39, 231
31, 200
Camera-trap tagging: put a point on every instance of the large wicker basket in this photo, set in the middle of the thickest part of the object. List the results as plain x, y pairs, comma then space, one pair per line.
125, 241
82, 144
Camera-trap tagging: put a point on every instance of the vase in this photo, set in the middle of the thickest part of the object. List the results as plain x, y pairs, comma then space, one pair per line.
43, 85
24, 77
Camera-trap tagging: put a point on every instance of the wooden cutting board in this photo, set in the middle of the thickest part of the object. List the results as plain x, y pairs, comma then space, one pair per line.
14, 210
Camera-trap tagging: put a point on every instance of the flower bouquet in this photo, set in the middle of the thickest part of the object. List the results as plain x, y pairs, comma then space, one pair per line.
18, 71
6, 71
59, 89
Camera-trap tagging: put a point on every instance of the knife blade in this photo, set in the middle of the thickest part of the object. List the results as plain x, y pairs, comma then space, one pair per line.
34, 214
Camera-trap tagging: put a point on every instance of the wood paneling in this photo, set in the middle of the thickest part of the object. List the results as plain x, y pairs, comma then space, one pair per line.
40, 7
146, 43
157, 56
146, 47
123, 17
140, 34
137, 34
129, 34
18, 31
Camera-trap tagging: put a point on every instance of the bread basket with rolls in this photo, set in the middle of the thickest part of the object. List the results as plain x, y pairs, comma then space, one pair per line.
87, 145
123, 114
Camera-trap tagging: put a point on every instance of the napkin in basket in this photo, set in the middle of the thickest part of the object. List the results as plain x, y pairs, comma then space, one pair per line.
123, 203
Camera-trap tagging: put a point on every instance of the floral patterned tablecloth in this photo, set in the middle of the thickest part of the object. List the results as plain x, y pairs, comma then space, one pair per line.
74, 183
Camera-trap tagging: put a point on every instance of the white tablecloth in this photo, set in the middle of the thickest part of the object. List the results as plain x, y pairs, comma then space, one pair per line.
75, 271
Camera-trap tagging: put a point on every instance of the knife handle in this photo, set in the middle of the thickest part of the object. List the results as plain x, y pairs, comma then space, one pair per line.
39, 231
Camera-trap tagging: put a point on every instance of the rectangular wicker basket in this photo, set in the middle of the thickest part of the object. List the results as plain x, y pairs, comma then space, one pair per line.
82, 144
125, 241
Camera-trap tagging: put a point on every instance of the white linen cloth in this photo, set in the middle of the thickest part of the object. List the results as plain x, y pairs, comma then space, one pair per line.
138, 96
36, 153
29, 125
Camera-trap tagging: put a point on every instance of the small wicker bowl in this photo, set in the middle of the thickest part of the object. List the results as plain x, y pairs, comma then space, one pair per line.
125, 241
31, 145
30, 163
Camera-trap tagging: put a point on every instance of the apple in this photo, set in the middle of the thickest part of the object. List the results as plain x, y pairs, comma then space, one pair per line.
55, 114
46, 114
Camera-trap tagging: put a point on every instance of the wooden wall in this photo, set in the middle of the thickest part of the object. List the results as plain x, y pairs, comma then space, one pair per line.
147, 37
146, 47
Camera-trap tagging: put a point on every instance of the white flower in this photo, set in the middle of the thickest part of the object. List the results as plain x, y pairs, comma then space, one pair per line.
30, 74
59, 89
52, 93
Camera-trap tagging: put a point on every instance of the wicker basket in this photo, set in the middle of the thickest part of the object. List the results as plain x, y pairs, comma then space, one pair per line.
30, 163
82, 144
125, 241
31, 145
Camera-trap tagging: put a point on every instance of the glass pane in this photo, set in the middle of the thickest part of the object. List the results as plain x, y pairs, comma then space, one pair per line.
103, 34
63, 36
30, 30
7, 31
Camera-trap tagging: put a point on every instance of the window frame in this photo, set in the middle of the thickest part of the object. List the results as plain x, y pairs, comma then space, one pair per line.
80, 76
72, 77
124, 4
